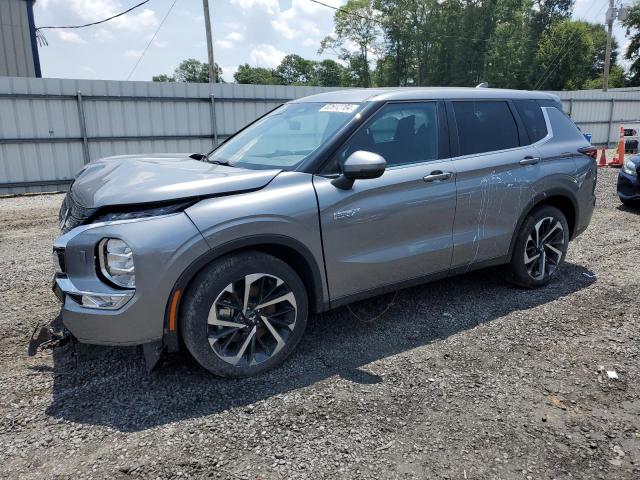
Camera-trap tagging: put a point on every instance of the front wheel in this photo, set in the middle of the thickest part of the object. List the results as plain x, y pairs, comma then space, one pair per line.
540, 248
244, 314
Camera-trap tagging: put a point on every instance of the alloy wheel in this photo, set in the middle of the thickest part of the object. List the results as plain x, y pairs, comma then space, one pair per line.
544, 248
251, 319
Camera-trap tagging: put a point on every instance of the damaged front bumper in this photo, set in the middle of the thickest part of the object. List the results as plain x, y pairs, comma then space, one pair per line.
98, 312
63, 287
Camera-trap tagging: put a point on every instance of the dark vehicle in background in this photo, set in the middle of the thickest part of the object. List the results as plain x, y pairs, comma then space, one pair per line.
628, 181
326, 200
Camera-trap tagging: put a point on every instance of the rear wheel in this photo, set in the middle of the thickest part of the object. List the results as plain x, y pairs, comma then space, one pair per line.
540, 248
244, 314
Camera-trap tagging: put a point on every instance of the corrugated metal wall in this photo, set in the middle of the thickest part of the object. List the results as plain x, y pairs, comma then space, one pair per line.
16, 56
48, 130
601, 113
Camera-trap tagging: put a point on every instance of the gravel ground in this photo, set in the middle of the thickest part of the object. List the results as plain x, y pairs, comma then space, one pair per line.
466, 378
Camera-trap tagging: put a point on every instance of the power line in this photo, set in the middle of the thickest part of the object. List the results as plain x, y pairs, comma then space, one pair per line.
100, 21
152, 39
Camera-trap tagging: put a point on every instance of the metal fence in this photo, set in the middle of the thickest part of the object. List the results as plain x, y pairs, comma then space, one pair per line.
50, 128
601, 113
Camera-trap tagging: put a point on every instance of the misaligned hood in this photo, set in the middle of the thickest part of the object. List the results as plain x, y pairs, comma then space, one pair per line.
131, 179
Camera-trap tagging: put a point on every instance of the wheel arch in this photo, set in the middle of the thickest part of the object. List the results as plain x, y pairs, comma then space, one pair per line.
287, 249
561, 199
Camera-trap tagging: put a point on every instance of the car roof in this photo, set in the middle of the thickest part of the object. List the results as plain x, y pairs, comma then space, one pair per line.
422, 93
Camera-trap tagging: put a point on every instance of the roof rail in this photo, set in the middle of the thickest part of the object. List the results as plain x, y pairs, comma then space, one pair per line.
483, 85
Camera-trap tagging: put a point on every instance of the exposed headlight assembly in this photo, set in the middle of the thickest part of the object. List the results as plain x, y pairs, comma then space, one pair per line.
630, 167
149, 212
116, 262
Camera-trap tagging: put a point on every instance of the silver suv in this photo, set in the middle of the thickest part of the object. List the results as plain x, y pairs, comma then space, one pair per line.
325, 200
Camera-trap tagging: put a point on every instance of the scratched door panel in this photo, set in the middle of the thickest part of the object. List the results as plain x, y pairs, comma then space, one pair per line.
493, 188
386, 230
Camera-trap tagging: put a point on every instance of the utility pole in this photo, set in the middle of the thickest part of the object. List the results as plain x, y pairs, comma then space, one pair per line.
611, 13
207, 26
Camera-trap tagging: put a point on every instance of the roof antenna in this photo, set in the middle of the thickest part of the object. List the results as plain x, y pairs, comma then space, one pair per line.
483, 85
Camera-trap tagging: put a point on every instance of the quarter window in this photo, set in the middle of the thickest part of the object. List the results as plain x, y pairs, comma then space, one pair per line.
402, 133
533, 119
485, 126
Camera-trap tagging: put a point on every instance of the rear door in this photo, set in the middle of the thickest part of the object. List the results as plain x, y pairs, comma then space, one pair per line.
397, 227
497, 171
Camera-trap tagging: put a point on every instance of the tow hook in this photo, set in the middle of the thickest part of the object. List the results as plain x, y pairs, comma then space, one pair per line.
48, 336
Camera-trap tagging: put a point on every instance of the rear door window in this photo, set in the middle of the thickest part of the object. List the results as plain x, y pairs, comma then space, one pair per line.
533, 119
485, 126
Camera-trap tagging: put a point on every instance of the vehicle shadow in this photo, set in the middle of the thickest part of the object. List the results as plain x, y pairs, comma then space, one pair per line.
630, 208
111, 387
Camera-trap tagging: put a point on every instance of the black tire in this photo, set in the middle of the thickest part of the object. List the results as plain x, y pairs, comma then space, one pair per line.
630, 203
208, 287
517, 271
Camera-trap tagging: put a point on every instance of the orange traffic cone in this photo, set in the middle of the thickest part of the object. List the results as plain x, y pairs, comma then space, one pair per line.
618, 159
602, 161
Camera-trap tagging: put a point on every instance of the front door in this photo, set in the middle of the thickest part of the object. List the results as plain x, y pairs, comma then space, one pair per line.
397, 227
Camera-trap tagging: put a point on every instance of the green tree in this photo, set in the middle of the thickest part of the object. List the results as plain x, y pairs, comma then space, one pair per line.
354, 25
295, 70
569, 55
256, 75
329, 73
632, 53
163, 78
617, 79
190, 70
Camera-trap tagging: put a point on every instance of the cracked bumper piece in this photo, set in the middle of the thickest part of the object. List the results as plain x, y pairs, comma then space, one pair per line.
63, 287
98, 312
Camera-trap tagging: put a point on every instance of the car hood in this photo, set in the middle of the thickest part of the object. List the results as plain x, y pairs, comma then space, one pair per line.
131, 179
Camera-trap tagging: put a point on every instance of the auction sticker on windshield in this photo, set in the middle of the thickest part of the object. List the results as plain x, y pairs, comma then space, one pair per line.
339, 107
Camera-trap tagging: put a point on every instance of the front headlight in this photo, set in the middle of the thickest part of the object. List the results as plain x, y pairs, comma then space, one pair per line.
630, 167
149, 212
116, 262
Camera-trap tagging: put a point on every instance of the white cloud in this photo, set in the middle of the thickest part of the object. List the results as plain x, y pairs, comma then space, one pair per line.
266, 56
224, 44
133, 53
235, 37
88, 69
95, 10
103, 35
271, 6
69, 37
160, 43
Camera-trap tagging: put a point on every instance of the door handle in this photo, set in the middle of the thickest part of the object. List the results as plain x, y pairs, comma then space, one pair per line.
529, 160
437, 175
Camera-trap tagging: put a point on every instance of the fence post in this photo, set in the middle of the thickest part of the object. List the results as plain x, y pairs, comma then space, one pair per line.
613, 105
213, 120
83, 129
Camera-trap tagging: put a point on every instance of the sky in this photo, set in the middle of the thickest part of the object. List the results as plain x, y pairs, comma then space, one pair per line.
258, 32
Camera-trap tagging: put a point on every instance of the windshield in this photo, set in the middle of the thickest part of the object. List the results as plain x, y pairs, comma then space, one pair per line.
286, 136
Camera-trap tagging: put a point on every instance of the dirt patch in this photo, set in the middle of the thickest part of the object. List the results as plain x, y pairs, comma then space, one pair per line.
462, 378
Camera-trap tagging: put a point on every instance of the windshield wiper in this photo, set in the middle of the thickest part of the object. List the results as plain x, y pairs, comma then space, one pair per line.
203, 157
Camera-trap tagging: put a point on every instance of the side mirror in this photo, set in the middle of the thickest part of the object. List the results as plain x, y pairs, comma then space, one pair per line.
360, 165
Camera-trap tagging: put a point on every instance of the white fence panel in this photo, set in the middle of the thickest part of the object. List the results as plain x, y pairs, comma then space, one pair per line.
49, 128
